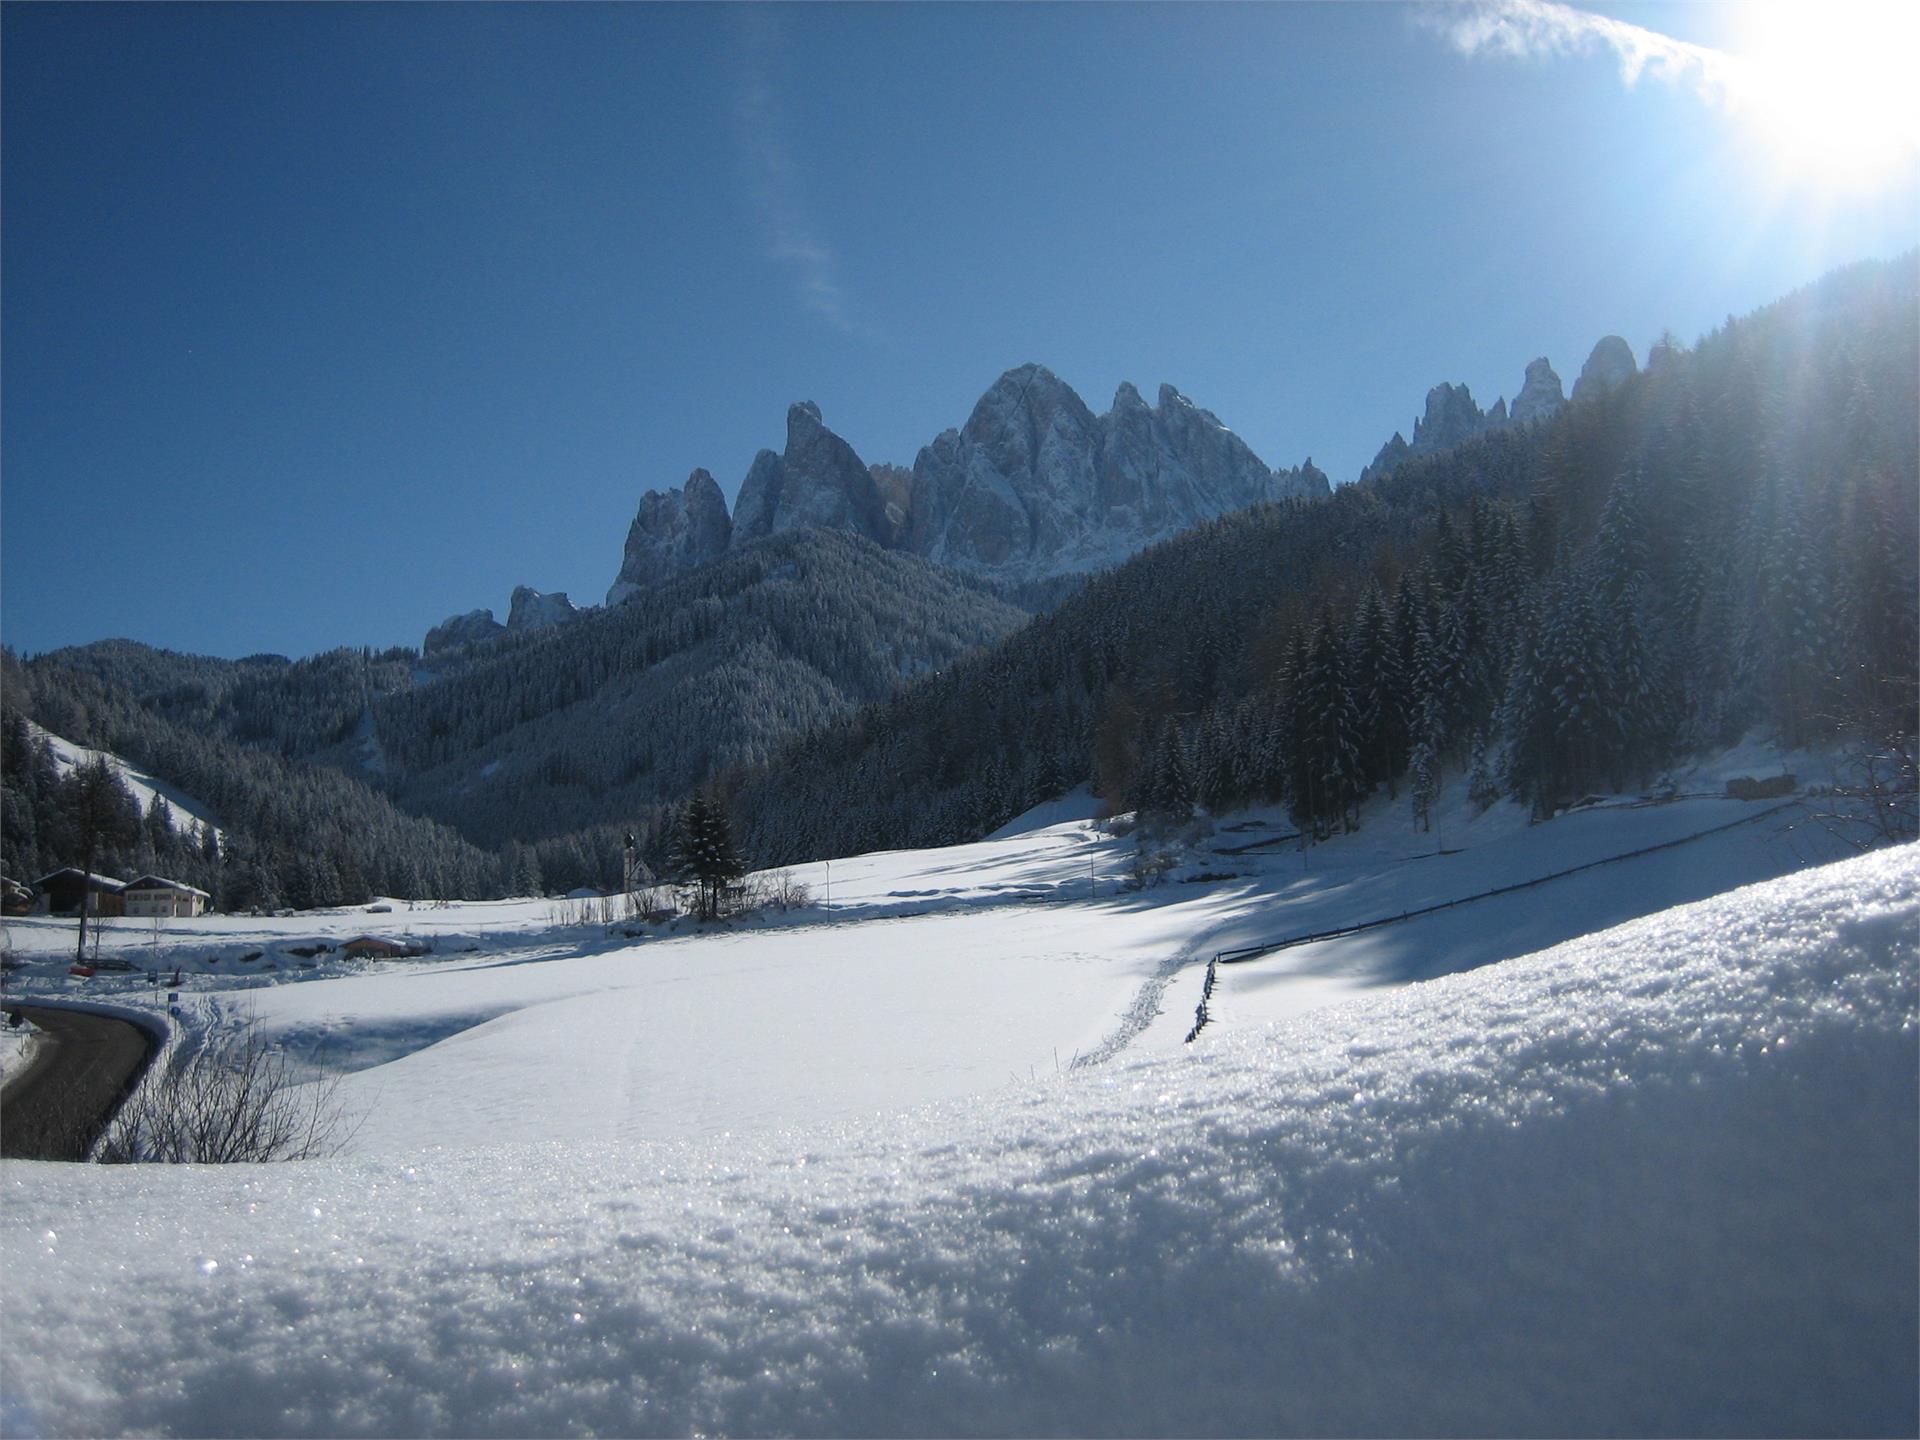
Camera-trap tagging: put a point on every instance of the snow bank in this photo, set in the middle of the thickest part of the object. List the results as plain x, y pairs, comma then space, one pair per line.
1658, 1180
17, 1046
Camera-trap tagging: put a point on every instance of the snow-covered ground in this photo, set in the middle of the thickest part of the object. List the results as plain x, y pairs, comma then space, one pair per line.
1658, 1180
929, 1154
914, 976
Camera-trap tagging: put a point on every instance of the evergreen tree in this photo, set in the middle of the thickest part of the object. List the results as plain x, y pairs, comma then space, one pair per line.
706, 854
1167, 792
1380, 693
1327, 783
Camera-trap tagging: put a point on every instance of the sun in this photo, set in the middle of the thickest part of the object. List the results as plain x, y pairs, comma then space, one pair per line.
1832, 88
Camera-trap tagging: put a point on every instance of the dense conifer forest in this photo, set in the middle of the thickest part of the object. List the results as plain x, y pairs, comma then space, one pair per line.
1726, 541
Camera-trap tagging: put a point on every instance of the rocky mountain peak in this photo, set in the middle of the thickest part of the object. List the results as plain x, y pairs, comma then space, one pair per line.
459, 630
1608, 367
674, 530
1540, 394
1034, 484
1451, 417
533, 610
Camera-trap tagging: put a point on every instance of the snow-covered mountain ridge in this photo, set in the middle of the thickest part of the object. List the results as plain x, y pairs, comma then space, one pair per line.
1451, 416
1034, 485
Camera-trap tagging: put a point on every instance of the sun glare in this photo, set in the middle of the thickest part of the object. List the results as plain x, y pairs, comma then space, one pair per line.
1832, 87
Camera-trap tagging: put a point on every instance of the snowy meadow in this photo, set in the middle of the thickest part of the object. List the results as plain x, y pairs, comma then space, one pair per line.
930, 1157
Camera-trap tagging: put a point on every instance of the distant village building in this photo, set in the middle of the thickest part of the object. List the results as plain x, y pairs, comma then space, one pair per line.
15, 898
374, 948
157, 895
63, 891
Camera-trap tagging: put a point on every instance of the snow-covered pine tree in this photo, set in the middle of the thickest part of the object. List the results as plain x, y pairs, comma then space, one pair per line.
1327, 785
706, 854
1379, 691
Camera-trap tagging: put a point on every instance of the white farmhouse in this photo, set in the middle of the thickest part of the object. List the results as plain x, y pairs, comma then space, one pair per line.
157, 895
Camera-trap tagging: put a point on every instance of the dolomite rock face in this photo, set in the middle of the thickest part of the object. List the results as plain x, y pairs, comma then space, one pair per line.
458, 630
533, 610
816, 481
1540, 394
1033, 485
1018, 482
1452, 417
674, 530
1607, 368
1036, 484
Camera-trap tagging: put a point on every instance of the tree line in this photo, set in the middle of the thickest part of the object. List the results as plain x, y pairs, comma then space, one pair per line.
1726, 541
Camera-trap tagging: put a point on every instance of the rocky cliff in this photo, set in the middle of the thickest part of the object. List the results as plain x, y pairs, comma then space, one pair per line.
1033, 485
1607, 368
674, 530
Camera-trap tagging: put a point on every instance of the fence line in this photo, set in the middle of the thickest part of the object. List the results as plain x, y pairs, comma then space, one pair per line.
1200, 1015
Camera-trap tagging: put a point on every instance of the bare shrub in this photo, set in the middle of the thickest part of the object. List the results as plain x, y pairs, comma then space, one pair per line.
778, 890
232, 1102
1149, 867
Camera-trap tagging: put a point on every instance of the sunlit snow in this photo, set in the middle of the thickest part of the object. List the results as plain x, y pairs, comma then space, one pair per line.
839, 1171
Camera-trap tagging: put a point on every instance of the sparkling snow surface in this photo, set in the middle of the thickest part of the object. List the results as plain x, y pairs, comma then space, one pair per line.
1661, 1179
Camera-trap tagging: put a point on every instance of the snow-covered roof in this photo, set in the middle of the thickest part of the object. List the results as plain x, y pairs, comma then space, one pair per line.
160, 882
96, 882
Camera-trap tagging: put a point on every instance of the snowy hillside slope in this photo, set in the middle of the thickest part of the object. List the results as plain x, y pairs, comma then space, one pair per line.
187, 811
1659, 1180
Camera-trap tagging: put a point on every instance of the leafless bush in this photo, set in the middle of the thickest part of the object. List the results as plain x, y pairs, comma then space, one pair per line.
652, 903
778, 890
1150, 866
1877, 799
233, 1102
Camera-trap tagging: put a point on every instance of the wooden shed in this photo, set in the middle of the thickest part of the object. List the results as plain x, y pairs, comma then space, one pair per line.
64, 890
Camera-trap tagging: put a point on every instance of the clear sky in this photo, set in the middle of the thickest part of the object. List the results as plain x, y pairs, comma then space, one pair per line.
321, 323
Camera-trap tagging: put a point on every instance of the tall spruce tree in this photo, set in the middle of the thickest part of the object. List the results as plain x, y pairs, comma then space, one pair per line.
708, 859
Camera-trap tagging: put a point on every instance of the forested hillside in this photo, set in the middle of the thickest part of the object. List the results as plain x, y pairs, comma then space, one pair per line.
1727, 540
542, 733
571, 738
295, 834
294, 707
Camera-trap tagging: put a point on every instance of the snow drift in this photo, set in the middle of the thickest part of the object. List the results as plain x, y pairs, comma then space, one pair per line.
1661, 1179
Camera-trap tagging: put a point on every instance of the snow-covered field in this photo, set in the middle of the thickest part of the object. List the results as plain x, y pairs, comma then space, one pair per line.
915, 976
930, 1156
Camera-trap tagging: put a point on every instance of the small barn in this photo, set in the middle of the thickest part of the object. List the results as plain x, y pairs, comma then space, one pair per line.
157, 895
372, 947
64, 891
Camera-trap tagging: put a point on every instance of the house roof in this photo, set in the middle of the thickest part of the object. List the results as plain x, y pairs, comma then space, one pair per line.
98, 882
160, 882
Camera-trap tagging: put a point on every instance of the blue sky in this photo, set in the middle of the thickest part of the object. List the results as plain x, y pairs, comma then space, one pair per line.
322, 323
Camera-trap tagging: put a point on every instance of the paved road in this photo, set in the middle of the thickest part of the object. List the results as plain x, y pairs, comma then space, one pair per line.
54, 1108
